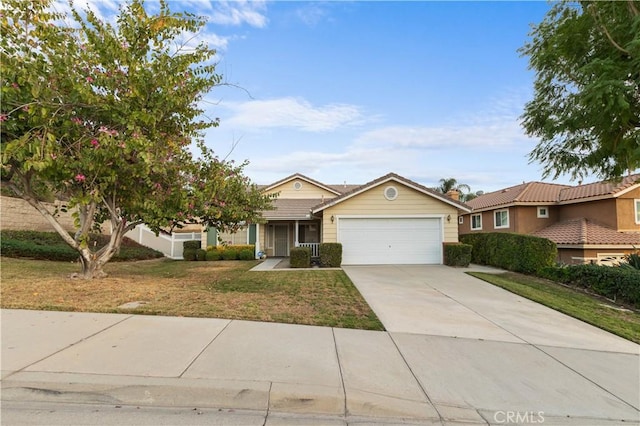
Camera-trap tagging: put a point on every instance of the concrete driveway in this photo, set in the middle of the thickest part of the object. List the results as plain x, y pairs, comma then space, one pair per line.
471, 344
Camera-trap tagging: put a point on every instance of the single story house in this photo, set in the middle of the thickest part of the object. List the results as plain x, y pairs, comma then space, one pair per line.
390, 220
591, 223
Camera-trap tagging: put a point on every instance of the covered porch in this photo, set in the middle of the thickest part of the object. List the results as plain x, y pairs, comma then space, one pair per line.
291, 224
281, 236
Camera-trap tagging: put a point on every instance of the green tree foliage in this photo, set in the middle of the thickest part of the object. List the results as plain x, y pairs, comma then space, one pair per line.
586, 105
464, 190
104, 116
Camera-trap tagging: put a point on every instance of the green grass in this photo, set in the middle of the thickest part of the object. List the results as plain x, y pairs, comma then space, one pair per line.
588, 308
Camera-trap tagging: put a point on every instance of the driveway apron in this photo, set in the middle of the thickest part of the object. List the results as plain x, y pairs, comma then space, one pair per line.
472, 345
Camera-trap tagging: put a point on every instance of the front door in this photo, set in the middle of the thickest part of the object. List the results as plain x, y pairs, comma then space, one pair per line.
281, 240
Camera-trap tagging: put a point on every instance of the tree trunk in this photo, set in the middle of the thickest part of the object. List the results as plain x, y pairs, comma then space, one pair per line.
92, 268
92, 263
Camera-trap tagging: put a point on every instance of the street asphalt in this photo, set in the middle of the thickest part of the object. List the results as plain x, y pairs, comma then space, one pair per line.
456, 351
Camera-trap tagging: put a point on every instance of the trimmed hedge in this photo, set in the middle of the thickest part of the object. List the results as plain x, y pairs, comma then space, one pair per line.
213, 255
229, 254
613, 282
201, 254
300, 257
51, 246
457, 254
246, 254
189, 254
233, 251
514, 252
194, 244
330, 255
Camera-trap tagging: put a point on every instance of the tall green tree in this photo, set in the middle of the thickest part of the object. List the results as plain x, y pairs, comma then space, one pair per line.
105, 115
586, 105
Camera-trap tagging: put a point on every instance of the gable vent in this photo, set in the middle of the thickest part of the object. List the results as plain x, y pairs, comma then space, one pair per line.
390, 193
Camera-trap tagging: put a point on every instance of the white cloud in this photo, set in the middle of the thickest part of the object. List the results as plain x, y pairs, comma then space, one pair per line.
311, 13
238, 12
189, 41
468, 149
491, 134
293, 113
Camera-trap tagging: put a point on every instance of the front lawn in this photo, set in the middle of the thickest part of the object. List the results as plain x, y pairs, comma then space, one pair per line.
224, 289
589, 308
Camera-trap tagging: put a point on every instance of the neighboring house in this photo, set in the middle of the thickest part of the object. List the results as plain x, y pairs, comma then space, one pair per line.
597, 222
390, 220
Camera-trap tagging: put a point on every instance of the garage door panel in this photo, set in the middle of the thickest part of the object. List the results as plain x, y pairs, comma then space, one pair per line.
390, 241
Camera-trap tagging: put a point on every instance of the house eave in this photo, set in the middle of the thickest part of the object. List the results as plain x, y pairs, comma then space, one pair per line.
276, 219
365, 188
301, 177
596, 246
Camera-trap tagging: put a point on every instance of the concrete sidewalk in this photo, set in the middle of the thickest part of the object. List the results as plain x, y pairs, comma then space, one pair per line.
292, 374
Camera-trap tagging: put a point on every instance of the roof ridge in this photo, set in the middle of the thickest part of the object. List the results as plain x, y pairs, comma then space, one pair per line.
527, 185
584, 231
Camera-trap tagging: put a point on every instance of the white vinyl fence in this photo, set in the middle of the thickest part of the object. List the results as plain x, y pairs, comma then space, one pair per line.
170, 245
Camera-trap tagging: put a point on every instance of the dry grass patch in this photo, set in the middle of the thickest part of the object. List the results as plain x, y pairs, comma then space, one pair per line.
194, 289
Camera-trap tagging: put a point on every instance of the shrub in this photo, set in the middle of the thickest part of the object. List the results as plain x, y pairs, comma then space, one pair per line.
300, 257
213, 255
514, 252
51, 246
457, 254
330, 255
246, 254
229, 254
633, 260
201, 254
189, 254
609, 281
17, 248
195, 244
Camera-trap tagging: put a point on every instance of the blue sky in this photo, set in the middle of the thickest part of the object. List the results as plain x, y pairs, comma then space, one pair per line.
349, 91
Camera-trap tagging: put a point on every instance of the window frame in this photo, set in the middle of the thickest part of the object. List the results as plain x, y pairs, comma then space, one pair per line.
495, 216
540, 215
637, 210
471, 223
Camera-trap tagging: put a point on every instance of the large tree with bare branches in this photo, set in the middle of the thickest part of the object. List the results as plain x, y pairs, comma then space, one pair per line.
106, 115
586, 105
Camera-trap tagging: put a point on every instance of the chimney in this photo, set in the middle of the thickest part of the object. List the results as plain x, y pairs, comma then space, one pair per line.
454, 193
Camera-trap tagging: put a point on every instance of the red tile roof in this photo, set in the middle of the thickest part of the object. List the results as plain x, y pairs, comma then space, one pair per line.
550, 193
583, 231
530, 192
598, 189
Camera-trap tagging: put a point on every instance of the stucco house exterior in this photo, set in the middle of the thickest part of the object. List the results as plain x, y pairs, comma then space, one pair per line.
597, 222
390, 220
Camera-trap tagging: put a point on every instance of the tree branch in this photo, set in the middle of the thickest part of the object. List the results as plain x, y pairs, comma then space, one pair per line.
632, 7
29, 197
596, 17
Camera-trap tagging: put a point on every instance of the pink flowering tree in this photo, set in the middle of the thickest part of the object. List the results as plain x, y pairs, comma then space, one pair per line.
103, 116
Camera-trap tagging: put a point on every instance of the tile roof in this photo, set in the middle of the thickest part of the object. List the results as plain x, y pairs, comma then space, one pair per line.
530, 192
551, 193
598, 189
584, 231
291, 208
398, 178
